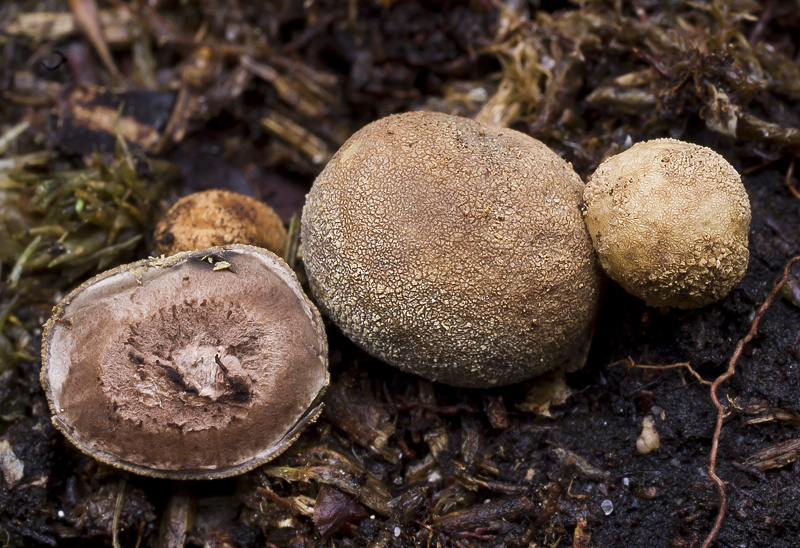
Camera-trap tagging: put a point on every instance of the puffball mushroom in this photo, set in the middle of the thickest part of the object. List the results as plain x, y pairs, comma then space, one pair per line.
669, 221
218, 217
453, 250
197, 366
648, 440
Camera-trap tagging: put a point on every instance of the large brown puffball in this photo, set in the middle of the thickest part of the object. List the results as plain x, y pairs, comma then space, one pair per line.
669, 221
218, 217
453, 250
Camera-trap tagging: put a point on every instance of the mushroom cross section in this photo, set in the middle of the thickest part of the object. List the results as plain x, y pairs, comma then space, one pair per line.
200, 365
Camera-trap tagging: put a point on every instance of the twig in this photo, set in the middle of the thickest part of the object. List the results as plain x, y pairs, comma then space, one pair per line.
631, 365
788, 180
11, 135
16, 272
139, 535
403, 404
117, 514
762, 23
712, 465
87, 18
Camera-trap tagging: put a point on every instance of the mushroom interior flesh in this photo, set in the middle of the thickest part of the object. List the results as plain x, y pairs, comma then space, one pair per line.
204, 364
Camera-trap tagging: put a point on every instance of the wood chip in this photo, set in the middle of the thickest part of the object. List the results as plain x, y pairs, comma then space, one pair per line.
775, 456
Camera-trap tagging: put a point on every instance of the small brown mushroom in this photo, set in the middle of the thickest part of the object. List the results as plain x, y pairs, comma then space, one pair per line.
669, 221
196, 366
218, 217
453, 250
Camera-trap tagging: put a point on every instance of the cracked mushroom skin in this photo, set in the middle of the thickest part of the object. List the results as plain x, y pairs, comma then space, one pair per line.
218, 217
669, 221
197, 366
453, 250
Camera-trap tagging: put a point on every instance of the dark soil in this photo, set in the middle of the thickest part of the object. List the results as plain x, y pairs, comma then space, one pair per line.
395, 460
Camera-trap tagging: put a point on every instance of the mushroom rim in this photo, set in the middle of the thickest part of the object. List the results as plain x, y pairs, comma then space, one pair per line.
308, 417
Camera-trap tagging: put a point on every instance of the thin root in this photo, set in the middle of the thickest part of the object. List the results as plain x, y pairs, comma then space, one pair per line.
721, 410
632, 365
788, 180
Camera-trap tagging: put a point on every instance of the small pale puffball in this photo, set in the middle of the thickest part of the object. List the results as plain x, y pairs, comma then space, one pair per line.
669, 221
649, 439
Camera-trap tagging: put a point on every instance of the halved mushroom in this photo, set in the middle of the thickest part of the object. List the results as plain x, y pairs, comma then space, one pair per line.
200, 365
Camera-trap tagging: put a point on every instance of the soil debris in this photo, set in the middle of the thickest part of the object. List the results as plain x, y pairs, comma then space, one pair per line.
253, 97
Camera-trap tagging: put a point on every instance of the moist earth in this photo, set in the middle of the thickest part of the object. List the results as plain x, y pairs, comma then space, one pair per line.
396, 461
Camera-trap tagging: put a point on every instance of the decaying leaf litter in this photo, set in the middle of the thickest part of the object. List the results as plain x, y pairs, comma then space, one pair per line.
155, 100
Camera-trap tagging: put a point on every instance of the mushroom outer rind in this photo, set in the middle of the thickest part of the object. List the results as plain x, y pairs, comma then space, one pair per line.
218, 217
669, 221
305, 408
453, 250
113, 460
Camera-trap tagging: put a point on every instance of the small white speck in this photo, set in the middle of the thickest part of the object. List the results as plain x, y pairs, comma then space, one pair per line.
61, 513
372, 516
628, 142
607, 506
396, 532
478, 95
626, 481
487, 501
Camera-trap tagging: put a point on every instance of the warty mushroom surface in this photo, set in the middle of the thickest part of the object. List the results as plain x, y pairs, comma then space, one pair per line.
453, 250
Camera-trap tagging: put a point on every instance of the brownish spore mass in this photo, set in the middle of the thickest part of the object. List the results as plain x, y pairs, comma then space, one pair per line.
200, 365
453, 250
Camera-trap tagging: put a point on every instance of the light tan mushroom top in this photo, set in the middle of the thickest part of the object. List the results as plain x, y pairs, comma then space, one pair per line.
218, 217
669, 221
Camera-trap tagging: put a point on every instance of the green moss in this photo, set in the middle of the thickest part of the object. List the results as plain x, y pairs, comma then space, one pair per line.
61, 226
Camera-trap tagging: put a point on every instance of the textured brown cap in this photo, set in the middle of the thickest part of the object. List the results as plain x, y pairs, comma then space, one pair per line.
453, 250
201, 365
218, 217
669, 221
